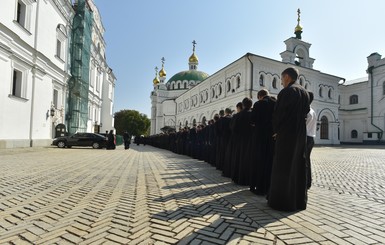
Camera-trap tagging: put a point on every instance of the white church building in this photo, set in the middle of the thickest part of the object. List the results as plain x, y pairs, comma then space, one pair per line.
35, 69
193, 97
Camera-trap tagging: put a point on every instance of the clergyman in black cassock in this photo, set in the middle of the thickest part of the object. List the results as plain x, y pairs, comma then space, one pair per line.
264, 144
288, 191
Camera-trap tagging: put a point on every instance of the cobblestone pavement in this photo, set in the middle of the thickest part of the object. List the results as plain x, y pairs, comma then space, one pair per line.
150, 196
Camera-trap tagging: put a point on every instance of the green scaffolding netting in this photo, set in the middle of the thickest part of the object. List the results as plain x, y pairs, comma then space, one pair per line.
78, 84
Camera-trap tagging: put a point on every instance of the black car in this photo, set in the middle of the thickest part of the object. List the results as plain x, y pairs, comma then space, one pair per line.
97, 141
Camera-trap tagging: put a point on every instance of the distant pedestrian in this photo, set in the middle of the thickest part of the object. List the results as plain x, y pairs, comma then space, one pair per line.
111, 145
127, 140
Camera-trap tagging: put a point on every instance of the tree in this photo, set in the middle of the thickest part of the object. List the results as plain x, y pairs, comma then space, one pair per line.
134, 122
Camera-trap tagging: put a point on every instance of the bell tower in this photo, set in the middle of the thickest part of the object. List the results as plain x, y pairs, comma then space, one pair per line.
297, 51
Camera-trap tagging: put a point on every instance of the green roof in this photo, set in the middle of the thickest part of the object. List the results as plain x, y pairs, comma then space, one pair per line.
190, 75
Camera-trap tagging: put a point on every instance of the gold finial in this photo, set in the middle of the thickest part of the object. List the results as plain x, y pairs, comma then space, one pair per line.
162, 72
298, 28
193, 58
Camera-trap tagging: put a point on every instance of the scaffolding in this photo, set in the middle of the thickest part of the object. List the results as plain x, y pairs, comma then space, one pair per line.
78, 84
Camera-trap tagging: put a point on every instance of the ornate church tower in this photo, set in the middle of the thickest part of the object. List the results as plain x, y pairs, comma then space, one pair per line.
193, 60
297, 51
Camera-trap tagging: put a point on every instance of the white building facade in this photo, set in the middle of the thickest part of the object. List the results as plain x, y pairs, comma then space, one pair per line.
102, 81
244, 78
362, 110
34, 72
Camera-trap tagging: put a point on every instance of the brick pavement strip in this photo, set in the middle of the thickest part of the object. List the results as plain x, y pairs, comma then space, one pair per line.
151, 196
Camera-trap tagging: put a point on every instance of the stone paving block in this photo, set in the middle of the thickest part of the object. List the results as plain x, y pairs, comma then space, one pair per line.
165, 239
117, 239
361, 237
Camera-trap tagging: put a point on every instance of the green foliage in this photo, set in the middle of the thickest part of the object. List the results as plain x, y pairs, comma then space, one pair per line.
134, 122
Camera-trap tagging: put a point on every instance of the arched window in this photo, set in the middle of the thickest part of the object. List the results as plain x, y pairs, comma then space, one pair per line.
306, 85
204, 120
238, 82
185, 85
212, 93
353, 99
274, 83
354, 134
186, 124
261, 81
324, 128
194, 122
219, 90
228, 86
178, 85
301, 81
173, 87
320, 92
330, 93
383, 88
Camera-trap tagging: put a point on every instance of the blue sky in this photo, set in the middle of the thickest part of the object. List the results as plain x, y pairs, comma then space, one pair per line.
139, 33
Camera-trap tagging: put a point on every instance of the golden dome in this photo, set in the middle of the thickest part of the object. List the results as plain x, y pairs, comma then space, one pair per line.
298, 28
156, 80
193, 58
162, 72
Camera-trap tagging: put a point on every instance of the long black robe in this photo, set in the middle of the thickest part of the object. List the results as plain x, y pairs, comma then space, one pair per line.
264, 145
288, 190
226, 145
244, 129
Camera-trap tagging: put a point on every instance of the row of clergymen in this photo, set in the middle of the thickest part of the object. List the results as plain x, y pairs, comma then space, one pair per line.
240, 145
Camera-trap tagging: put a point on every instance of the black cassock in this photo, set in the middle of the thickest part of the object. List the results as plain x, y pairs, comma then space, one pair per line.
263, 145
288, 190
244, 129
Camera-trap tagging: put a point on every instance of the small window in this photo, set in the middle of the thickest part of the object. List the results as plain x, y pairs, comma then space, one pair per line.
330, 93
301, 82
353, 99
61, 36
228, 86
98, 75
324, 128
185, 85
238, 82
178, 85
383, 88
261, 81
274, 83
369, 135
354, 134
59, 49
21, 15
17, 83
320, 92
219, 90
55, 99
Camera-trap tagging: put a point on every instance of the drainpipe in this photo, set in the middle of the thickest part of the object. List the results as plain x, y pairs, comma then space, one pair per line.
34, 69
251, 75
370, 71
